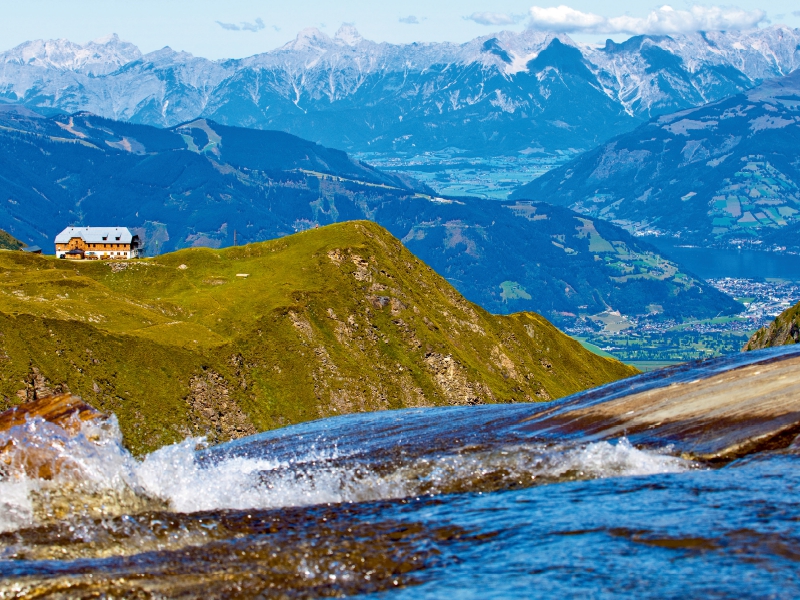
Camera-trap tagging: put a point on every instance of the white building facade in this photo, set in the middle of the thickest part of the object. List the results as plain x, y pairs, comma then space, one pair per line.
97, 243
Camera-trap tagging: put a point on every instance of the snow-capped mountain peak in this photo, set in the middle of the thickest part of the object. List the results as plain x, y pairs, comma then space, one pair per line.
111, 38
98, 57
310, 38
349, 35
508, 90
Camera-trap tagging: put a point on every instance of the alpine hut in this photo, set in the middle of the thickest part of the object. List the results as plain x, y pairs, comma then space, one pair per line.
97, 243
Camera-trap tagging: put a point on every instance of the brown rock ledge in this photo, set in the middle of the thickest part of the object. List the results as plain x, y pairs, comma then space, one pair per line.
728, 415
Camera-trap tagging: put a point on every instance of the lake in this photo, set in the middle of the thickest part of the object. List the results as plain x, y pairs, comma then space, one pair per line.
715, 263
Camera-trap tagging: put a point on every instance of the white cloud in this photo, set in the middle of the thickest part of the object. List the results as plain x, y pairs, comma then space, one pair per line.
664, 20
256, 25
409, 20
229, 26
493, 18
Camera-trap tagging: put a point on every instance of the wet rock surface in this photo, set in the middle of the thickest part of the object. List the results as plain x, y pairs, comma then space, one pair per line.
706, 414
64, 411
328, 552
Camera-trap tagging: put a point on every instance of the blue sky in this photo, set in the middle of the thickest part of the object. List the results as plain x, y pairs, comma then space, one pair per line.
237, 28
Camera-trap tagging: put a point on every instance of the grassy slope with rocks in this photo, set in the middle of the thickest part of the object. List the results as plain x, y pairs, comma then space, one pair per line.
784, 330
229, 342
9, 242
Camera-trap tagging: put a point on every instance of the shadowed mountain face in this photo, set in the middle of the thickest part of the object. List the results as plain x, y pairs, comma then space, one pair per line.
516, 256
500, 93
192, 185
197, 184
723, 174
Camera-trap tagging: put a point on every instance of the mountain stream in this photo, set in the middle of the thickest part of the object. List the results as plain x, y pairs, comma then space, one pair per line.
681, 482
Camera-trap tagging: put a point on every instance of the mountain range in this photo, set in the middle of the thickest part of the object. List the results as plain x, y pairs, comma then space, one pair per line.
501, 93
206, 184
724, 174
55, 171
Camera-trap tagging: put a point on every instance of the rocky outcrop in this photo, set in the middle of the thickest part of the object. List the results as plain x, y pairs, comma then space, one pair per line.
214, 413
37, 387
452, 381
784, 330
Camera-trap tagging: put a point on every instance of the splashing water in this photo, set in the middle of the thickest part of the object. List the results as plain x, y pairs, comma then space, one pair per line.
95, 467
406, 503
91, 463
195, 509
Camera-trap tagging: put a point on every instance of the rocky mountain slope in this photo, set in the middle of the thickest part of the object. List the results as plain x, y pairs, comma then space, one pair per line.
499, 93
229, 342
198, 183
723, 174
9, 242
784, 330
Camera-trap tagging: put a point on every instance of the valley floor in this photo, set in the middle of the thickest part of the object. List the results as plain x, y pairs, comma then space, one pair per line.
452, 172
654, 343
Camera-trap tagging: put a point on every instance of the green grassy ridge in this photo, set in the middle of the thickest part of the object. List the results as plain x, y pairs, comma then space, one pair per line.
329, 321
783, 331
9, 242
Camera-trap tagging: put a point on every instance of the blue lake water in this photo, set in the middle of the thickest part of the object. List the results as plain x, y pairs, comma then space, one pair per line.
714, 263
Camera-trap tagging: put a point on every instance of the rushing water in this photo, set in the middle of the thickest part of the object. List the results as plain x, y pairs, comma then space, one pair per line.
468, 502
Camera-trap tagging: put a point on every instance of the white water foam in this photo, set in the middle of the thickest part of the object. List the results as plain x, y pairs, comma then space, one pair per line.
241, 483
94, 458
16, 508
97, 460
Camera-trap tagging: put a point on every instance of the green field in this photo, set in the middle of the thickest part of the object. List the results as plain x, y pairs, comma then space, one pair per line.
451, 172
645, 350
758, 196
645, 366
